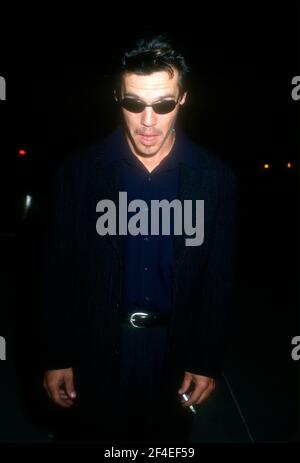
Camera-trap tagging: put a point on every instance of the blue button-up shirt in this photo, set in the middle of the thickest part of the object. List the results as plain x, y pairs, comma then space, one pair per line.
147, 274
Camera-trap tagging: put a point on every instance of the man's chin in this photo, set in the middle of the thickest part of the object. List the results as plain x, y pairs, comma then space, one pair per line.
147, 150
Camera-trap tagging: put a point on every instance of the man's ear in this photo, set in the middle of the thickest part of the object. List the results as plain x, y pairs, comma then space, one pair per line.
183, 98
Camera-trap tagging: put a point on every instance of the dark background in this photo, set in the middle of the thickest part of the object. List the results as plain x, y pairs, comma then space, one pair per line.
59, 97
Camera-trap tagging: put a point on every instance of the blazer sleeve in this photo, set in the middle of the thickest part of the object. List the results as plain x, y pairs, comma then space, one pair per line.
209, 326
58, 274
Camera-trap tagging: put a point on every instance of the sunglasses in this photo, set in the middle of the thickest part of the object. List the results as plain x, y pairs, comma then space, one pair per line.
136, 106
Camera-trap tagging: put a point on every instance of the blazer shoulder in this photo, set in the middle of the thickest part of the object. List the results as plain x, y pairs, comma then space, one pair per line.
96, 154
76, 162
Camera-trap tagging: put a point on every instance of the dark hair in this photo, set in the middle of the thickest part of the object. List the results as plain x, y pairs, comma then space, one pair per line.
148, 56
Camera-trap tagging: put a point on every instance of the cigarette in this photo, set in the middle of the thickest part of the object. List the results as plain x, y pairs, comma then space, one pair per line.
185, 397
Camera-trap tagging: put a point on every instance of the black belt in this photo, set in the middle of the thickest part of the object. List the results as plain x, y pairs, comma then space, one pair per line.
144, 319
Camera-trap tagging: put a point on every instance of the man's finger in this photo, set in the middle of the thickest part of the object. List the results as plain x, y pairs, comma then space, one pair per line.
59, 386
206, 394
201, 392
66, 403
195, 395
185, 384
69, 386
64, 396
54, 392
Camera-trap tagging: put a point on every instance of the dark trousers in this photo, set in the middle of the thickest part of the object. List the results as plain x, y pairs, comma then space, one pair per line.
143, 409
149, 409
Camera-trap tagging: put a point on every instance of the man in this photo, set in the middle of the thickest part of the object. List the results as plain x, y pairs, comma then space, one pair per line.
132, 320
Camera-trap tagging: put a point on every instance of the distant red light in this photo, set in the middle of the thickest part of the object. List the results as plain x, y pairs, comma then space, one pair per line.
22, 152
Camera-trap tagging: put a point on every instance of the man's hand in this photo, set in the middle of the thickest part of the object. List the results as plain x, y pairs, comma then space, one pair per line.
203, 387
60, 386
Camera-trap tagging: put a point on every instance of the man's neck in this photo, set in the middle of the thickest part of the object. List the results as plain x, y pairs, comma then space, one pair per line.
152, 162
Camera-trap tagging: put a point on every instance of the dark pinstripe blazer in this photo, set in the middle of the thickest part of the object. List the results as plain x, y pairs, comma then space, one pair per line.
82, 272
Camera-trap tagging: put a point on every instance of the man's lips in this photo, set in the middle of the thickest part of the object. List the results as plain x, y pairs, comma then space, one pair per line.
147, 139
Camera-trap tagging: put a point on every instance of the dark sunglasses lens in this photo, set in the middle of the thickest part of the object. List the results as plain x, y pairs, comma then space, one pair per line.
164, 107
132, 105
135, 106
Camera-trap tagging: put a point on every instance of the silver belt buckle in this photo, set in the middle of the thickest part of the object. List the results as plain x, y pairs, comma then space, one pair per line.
132, 320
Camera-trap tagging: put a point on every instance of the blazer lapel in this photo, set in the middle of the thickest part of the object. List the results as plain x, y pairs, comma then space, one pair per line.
104, 184
191, 187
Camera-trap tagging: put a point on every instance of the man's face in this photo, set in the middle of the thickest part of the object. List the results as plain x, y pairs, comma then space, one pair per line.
149, 133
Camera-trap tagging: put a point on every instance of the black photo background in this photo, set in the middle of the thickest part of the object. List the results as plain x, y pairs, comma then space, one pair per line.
59, 97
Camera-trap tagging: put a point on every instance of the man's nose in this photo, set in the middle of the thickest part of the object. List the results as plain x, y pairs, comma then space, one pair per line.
149, 117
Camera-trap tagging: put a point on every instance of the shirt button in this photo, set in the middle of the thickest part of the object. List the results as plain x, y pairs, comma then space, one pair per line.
147, 298
149, 179
145, 268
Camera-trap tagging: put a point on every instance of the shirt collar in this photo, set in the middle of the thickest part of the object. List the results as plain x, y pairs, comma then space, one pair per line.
115, 148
